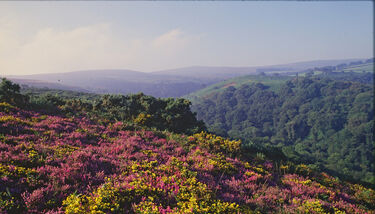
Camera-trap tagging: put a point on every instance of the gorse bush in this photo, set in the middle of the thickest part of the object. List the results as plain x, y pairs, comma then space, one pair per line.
141, 110
160, 113
59, 164
163, 114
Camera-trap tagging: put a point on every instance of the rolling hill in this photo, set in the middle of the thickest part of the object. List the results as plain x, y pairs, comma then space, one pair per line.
166, 83
273, 77
122, 82
32, 83
230, 72
366, 67
273, 81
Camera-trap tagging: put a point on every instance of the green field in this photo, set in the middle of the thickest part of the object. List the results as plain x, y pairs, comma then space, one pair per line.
274, 82
363, 68
367, 67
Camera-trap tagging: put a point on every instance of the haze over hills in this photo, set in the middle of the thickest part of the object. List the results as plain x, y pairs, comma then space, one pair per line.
26, 83
210, 72
353, 71
229, 72
314, 63
121, 81
165, 83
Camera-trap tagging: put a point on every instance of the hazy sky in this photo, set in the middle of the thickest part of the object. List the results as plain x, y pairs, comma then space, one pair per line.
52, 36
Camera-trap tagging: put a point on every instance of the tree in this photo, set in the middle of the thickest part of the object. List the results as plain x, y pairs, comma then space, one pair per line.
10, 93
320, 116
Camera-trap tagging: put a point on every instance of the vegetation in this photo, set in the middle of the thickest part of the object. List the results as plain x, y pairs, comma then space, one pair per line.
135, 109
356, 71
118, 81
109, 155
10, 92
272, 81
320, 121
64, 94
59, 164
366, 66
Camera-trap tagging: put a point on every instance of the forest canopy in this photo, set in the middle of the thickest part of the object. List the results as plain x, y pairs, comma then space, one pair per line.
324, 122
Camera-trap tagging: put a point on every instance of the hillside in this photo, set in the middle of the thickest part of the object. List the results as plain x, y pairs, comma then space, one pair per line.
317, 120
42, 84
272, 81
118, 81
230, 72
357, 71
166, 83
66, 162
366, 67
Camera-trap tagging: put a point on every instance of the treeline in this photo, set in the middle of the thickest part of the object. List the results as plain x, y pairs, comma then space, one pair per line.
340, 67
138, 110
365, 78
326, 123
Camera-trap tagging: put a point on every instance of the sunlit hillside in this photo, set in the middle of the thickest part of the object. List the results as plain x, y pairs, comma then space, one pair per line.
79, 160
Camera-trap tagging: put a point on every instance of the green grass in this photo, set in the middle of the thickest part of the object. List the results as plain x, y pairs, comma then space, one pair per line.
363, 68
367, 67
274, 82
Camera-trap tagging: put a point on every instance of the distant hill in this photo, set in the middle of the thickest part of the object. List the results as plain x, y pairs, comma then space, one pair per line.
121, 82
298, 66
357, 71
366, 67
208, 72
25, 83
166, 83
230, 72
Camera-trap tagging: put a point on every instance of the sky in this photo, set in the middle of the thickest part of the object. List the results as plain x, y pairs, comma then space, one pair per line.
53, 36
